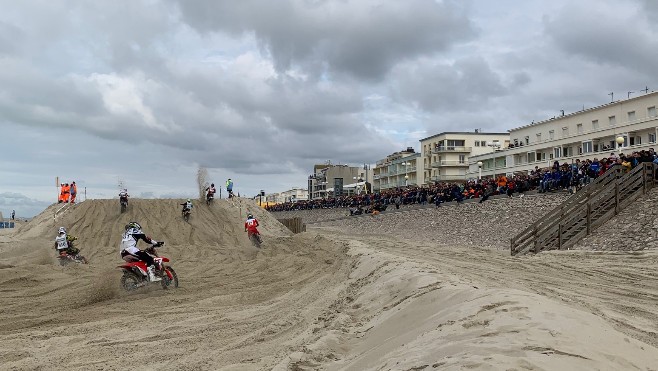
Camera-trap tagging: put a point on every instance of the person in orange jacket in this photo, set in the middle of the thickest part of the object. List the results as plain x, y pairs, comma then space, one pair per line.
61, 193
67, 189
73, 191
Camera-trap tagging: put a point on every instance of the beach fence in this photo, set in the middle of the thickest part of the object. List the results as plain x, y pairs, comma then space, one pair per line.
294, 224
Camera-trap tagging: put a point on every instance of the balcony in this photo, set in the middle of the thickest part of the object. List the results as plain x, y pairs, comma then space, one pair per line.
444, 163
449, 177
409, 169
451, 149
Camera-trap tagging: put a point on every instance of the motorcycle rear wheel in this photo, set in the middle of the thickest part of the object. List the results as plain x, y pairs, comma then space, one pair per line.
166, 282
130, 281
255, 240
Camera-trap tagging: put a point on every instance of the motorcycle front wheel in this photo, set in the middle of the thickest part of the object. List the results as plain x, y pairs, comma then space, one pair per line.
166, 282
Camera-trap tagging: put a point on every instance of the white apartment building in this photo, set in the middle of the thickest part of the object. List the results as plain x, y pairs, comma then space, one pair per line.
586, 134
398, 169
446, 156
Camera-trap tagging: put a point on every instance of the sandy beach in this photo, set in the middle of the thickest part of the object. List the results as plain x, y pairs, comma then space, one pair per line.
332, 298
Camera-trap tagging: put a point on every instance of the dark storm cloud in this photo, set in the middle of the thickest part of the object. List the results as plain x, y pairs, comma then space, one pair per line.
361, 38
436, 86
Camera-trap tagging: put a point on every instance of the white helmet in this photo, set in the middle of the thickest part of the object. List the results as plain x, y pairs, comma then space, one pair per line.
62, 230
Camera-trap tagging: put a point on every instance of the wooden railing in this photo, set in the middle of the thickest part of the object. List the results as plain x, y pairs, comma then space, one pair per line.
578, 216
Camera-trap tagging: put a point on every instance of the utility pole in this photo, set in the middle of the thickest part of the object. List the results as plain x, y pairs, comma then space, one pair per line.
612, 95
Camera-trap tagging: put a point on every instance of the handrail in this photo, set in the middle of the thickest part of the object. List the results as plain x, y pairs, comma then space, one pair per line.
576, 217
58, 211
587, 190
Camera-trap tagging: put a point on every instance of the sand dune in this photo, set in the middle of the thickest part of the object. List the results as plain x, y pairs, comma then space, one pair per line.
318, 300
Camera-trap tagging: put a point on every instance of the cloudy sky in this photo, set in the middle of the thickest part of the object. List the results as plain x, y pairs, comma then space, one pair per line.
260, 90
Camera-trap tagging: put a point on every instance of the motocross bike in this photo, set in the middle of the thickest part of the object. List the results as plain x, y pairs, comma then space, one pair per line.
255, 239
135, 273
64, 258
186, 214
124, 204
209, 198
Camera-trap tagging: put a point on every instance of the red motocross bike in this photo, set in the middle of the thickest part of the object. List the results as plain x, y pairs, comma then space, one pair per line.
135, 274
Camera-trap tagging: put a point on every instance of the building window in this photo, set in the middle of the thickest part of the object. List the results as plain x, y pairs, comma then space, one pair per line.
551, 134
527, 140
588, 147
483, 143
595, 124
538, 137
652, 138
631, 116
565, 132
651, 111
477, 143
455, 143
557, 152
462, 158
531, 157
612, 120
580, 128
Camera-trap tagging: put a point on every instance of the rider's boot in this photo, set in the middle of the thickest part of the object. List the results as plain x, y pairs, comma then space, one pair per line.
152, 276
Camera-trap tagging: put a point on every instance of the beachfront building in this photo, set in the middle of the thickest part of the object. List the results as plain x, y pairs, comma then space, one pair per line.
330, 180
292, 195
620, 126
398, 169
445, 156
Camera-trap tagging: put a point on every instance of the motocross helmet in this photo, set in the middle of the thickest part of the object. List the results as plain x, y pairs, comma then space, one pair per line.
62, 230
188, 200
249, 216
212, 184
133, 227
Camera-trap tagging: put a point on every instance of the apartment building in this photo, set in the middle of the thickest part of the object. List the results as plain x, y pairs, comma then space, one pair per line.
329, 180
398, 169
291, 195
445, 156
585, 134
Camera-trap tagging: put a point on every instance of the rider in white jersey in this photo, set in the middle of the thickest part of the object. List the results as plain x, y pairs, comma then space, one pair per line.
133, 233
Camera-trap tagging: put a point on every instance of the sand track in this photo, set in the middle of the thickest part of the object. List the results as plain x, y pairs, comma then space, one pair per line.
318, 300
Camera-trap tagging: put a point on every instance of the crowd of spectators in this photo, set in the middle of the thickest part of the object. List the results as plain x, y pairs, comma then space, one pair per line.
563, 176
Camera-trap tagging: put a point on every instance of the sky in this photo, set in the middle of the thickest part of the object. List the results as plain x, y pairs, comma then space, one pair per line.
147, 91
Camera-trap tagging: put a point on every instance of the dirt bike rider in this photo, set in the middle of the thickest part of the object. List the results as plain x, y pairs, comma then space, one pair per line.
187, 206
210, 191
64, 243
251, 224
123, 195
129, 251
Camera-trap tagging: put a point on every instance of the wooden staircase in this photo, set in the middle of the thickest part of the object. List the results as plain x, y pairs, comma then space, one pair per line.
588, 209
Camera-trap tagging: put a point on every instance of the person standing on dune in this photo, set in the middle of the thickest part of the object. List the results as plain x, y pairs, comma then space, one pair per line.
67, 190
229, 187
61, 194
73, 192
